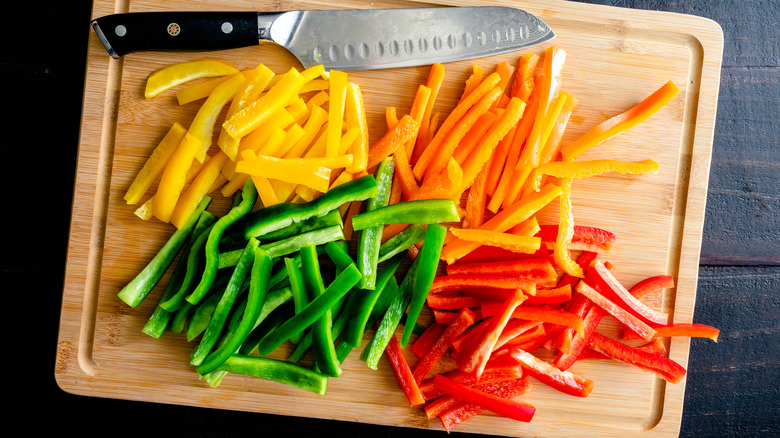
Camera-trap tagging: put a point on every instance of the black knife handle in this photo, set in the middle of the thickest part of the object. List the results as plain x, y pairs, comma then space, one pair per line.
175, 31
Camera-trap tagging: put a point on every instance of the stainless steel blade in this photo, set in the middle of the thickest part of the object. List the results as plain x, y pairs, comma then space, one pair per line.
386, 38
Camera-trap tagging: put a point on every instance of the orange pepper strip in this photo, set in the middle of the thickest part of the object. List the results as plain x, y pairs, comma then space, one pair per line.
475, 134
499, 160
442, 185
155, 163
174, 176
524, 79
622, 122
447, 147
284, 92
176, 74
584, 169
505, 71
404, 130
565, 232
477, 73
338, 97
476, 201
417, 111
504, 220
481, 154
511, 242
355, 116
403, 171
434, 82
433, 150
199, 187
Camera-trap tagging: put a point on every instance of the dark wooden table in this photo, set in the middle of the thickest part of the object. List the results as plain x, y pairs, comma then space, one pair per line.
732, 385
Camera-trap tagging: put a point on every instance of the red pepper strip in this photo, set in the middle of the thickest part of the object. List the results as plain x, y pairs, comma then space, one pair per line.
593, 317
427, 338
403, 373
561, 294
655, 347
454, 329
472, 332
505, 408
651, 284
584, 238
643, 330
474, 356
690, 330
552, 316
444, 402
445, 283
666, 368
513, 329
547, 333
599, 274
450, 301
498, 369
464, 411
446, 316
532, 269
579, 304
487, 253
547, 373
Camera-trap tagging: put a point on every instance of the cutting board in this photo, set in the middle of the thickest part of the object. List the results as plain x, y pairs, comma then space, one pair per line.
616, 57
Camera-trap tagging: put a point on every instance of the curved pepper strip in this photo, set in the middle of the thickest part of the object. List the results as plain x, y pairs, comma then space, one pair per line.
277, 302
409, 236
248, 198
202, 125
585, 169
681, 329
625, 317
424, 211
664, 367
277, 371
258, 290
370, 238
140, 286
226, 301
426, 273
176, 74
599, 274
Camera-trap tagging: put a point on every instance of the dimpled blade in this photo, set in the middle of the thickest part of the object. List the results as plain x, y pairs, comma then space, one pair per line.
389, 38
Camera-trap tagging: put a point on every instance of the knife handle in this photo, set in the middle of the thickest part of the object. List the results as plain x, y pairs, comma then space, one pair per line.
175, 31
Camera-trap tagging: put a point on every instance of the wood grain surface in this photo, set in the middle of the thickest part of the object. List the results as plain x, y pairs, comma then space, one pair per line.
727, 394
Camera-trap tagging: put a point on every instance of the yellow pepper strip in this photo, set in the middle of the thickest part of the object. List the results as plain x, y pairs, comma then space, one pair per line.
199, 91
191, 197
202, 125
219, 182
511, 242
355, 116
284, 190
338, 96
174, 176
292, 135
146, 211
265, 192
503, 221
316, 85
237, 179
584, 169
254, 114
255, 83
311, 128
313, 72
155, 163
622, 122
176, 74
318, 99
293, 170
565, 233
528, 227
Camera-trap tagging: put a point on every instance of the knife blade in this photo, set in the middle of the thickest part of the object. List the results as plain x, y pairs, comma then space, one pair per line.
358, 39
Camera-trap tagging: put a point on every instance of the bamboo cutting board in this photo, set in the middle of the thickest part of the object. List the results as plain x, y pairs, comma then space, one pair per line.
615, 57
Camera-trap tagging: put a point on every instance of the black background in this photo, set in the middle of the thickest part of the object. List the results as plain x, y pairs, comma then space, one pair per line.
732, 387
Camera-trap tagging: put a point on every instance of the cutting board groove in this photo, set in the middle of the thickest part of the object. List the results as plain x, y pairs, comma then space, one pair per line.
615, 58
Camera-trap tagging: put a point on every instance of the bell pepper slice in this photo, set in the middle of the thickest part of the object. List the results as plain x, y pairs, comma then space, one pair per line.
402, 372
477, 73
255, 113
556, 295
545, 372
561, 253
511, 242
318, 117
651, 284
446, 184
370, 238
434, 83
173, 75
662, 366
277, 371
405, 130
680, 329
475, 355
407, 237
202, 125
297, 242
622, 122
192, 263
174, 177
454, 282
199, 91
501, 406
423, 211
500, 368
139, 287
293, 170
599, 274
355, 116
585, 169
463, 411
155, 163
626, 318
198, 188
451, 301
584, 238
423, 342
336, 108
552, 316
463, 320
524, 77
424, 276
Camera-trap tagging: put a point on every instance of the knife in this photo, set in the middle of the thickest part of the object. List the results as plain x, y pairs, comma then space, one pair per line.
360, 39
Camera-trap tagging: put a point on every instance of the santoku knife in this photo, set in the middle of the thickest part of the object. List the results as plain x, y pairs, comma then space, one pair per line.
362, 39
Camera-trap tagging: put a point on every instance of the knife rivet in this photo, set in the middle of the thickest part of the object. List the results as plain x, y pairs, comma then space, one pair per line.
227, 27
120, 31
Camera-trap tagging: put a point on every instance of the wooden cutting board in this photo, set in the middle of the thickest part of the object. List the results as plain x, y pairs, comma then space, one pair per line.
615, 58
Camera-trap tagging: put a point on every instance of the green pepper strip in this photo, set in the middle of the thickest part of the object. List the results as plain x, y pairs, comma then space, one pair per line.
426, 272
274, 305
248, 197
322, 342
228, 298
310, 238
338, 254
423, 211
201, 316
158, 321
359, 320
392, 317
307, 340
298, 288
277, 371
409, 236
193, 264
342, 284
258, 290
140, 286
276, 217
371, 237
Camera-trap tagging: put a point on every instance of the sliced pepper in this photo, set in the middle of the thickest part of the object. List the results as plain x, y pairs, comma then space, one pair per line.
545, 372
295, 243
462, 411
174, 177
504, 407
402, 372
424, 277
463, 320
629, 320
155, 163
664, 367
584, 169
409, 236
176, 74
537, 269
370, 238
322, 341
277, 371
423, 211
511, 242
405, 130
599, 274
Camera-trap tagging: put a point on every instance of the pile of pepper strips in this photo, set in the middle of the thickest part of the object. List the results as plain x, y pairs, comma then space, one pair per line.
500, 298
